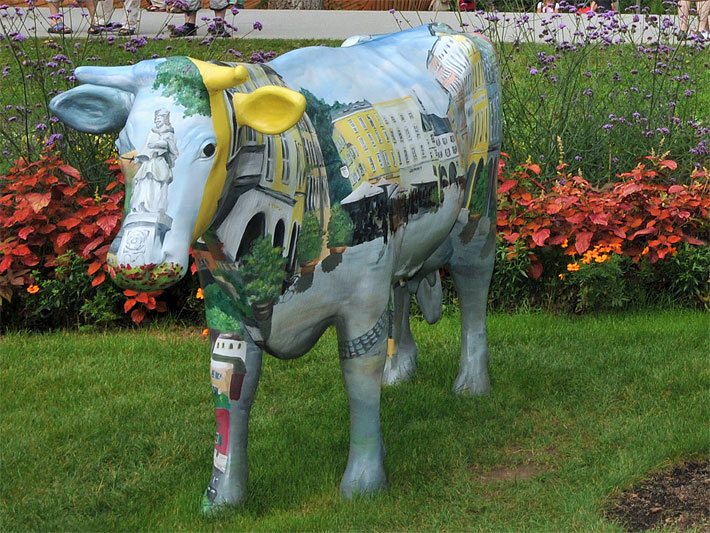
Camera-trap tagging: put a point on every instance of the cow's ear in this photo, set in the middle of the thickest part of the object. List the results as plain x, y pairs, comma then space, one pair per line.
270, 109
93, 108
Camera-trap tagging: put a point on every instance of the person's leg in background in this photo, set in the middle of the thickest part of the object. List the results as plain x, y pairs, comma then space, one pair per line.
131, 17
684, 17
703, 7
56, 22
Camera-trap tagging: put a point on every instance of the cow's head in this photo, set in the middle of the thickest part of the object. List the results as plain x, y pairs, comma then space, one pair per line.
176, 133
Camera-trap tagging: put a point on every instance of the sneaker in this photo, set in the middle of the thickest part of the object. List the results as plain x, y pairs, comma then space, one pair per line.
186, 30
125, 32
218, 30
59, 27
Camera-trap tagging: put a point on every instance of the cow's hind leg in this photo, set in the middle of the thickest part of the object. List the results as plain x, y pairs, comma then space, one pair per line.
401, 366
235, 377
471, 266
362, 360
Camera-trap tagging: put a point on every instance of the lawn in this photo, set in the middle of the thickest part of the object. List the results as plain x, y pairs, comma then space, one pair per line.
112, 431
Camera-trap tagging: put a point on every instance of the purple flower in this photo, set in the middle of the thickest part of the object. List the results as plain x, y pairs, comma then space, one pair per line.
608, 127
258, 26
41, 127
53, 139
688, 93
533, 71
234, 10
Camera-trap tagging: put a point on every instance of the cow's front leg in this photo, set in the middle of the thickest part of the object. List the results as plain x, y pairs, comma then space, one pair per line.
362, 362
235, 370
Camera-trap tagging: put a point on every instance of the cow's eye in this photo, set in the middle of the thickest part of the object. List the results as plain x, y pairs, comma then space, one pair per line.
208, 150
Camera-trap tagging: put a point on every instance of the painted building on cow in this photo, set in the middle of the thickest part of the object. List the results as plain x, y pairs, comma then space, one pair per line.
285, 176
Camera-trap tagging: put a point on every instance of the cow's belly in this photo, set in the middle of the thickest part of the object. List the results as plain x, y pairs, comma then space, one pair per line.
424, 234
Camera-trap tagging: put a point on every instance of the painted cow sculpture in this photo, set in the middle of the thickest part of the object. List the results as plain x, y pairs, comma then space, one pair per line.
322, 188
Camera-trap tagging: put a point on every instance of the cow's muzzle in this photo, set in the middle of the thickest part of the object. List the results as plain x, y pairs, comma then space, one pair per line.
137, 259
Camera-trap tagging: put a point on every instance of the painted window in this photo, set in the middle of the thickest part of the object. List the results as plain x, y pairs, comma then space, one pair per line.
362, 143
352, 125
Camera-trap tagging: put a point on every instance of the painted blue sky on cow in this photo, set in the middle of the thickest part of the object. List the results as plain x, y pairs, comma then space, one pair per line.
376, 66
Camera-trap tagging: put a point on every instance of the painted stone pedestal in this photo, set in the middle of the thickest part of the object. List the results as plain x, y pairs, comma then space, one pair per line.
143, 235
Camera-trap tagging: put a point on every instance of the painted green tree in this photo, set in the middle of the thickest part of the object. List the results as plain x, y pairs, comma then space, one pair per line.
263, 271
340, 227
221, 313
310, 240
181, 79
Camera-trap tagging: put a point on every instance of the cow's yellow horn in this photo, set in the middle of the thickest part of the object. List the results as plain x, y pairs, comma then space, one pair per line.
269, 109
220, 77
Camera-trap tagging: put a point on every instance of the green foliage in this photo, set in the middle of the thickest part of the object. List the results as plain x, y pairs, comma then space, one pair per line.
180, 78
319, 113
340, 227
222, 315
122, 423
310, 239
218, 320
600, 286
66, 298
264, 271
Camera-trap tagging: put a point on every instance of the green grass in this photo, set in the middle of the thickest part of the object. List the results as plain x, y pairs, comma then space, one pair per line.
114, 431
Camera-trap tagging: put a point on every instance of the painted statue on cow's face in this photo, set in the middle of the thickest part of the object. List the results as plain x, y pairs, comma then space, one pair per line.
323, 188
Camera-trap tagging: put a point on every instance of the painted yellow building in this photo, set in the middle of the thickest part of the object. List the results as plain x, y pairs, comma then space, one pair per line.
457, 65
286, 174
364, 144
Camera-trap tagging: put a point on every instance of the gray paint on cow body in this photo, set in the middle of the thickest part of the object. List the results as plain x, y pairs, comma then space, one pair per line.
411, 231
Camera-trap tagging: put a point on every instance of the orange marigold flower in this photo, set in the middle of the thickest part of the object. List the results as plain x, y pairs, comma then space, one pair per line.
572, 267
561, 276
205, 332
564, 244
645, 251
200, 294
33, 289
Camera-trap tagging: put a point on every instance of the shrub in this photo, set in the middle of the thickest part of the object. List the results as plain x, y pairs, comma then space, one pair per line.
53, 227
263, 271
310, 239
340, 227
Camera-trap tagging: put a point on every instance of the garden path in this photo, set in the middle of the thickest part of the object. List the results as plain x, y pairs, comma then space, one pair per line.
330, 24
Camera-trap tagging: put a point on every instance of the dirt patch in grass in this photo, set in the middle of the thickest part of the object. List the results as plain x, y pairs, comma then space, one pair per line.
678, 498
513, 473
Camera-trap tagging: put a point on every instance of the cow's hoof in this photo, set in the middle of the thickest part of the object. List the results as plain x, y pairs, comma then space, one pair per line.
363, 478
472, 383
400, 367
217, 505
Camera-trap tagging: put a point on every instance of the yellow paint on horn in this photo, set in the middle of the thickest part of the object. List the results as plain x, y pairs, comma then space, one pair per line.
223, 131
270, 109
220, 77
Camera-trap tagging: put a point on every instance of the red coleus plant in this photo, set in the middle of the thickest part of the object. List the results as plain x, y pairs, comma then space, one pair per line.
641, 215
141, 302
48, 209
